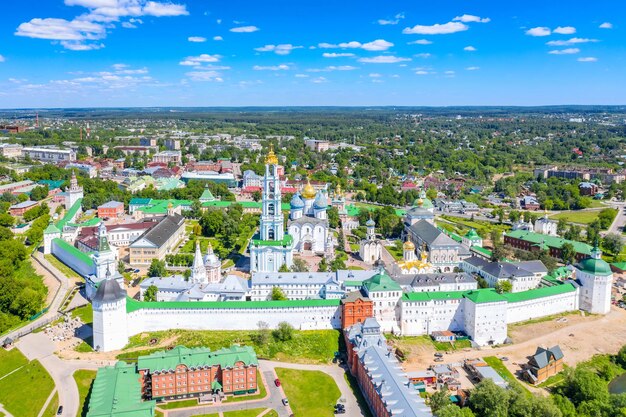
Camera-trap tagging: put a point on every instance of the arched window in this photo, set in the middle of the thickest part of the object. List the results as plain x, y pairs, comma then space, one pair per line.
270, 234
270, 209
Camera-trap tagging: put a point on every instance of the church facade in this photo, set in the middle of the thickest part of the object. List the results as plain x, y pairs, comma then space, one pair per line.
308, 221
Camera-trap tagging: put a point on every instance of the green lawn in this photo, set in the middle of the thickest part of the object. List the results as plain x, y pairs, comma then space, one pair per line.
261, 394
577, 216
85, 313
398, 255
84, 347
272, 413
445, 346
202, 415
64, 269
502, 370
310, 393
84, 378
356, 268
245, 413
10, 360
178, 404
24, 392
53, 406
311, 346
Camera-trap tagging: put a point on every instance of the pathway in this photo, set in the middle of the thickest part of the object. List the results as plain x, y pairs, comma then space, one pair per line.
45, 406
620, 219
4, 412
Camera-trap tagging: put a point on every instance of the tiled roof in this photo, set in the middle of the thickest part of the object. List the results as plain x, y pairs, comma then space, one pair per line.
166, 360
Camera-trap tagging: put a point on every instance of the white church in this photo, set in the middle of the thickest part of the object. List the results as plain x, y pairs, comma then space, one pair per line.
308, 221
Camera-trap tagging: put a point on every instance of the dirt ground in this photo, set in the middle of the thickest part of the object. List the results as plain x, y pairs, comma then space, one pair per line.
52, 284
580, 337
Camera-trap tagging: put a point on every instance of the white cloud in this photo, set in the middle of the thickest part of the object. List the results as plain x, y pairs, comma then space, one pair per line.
153, 8
606, 25
218, 38
319, 80
468, 18
213, 76
78, 46
282, 49
572, 41
2, 58
539, 31
244, 29
565, 30
420, 42
393, 21
61, 29
333, 68
197, 39
375, 75
200, 59
568, 51
436, 29
383, 59
472, 68
218, 21
128, 25
424, 55
336, 55
422, 72
469, 48
280, 67
377, 45
302, 75
587, 59
449, 73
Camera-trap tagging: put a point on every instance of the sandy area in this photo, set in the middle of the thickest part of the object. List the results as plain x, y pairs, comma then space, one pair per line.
579, 338
48, 280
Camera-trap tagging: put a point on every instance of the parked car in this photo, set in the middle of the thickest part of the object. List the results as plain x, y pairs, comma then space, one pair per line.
438, 359
340, 410
60, 411
277, 382
438, 355
285, 401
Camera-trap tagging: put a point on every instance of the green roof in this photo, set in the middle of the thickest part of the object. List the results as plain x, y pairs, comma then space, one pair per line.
134, 305
51, 229
286, 241
91, 222
139, 201
73, 251
619, 265
515, 297
207, 195
70, 214
472, 235
52, 184
549, 241
594, 266
433, 295
116, 392
352, 283
217, 203
160, 206
482, 250
165, 360
381, 282
353, 211
486, 295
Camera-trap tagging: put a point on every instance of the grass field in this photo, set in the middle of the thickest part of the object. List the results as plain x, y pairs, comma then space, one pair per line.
253, 412
398, 255
178, 404
272, 413
239, 398
64, 269
407, 343
53, 406
24, 392
84, 378
499, 367
85, 313
577, 216
10, 360
312, 346
310, 393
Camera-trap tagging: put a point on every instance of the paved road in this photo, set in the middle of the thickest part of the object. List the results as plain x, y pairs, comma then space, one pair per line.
39, 346
620, 219
44, 267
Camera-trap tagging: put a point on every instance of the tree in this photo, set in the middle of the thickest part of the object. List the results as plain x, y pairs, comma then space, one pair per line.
452, 410
39, 193
322, 266
151, 293
561, 226
431, 193
263, 334
514, 215
284, 332
503, 286
613, 243
27, 303
439, 400
157, 268
564, 405
333, 217
256, 196
6, 220
568, 253
299, 265
489, 400
283, 268
278, 294
496, 237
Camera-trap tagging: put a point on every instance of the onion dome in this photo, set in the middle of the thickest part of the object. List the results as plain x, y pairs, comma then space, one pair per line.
320, 201
296, 202
271, 158
408, 245
308, 191
370, 223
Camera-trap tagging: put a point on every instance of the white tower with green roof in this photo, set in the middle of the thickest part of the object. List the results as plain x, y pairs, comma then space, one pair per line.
596, 278
271, 248
52, 232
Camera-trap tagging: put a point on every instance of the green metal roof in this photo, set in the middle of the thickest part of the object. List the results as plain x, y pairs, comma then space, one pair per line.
286, 241
165, 360
472, 235
349, 283
134, 305
515, 297
160, 206
91, 222
381, 282
482, 250
79, 255
116, 392
619, 265
207, 195
353, 211
139, 201
486, 295
434, 295
51, 229
69, 215
595, 266
549, 241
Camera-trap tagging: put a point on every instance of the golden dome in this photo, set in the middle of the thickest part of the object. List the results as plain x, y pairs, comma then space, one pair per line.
271, 157
420, 202
308, 191
408, 245
338, 190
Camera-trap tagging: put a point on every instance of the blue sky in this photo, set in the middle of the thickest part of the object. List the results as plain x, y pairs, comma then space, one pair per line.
84, 53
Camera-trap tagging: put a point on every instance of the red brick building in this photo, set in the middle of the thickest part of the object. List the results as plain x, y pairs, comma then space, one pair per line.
187, 373
111, 210
355, 308
20, 208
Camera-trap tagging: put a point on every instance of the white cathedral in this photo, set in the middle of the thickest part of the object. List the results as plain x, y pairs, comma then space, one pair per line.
370, 248
308, 221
